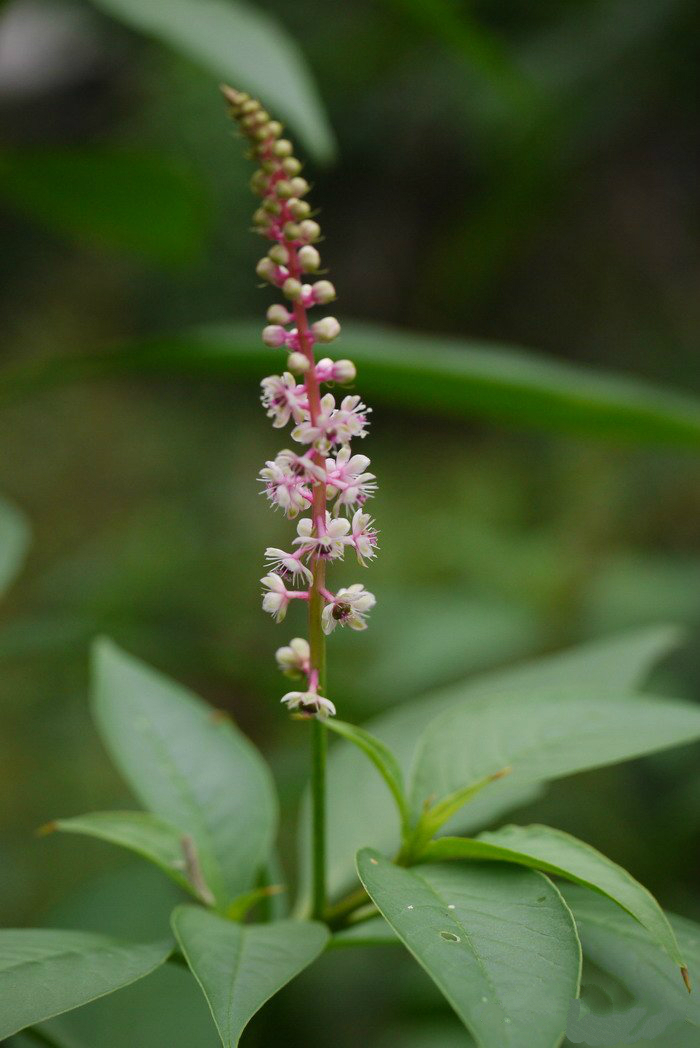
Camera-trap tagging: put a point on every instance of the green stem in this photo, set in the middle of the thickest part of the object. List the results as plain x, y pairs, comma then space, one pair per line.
319, 739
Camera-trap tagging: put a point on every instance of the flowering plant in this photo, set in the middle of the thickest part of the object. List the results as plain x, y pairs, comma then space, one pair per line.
386, 858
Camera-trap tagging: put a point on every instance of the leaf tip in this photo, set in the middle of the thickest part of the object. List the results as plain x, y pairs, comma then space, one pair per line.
501, 773
685, 974
46, 828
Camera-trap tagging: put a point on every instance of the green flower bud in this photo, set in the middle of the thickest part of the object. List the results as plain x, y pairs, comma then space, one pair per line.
277, 314
324, 292
250, 106
298, 208
291, 166
268, 166
261, 217
275, 128
299, 186
326, 330
283, 189
344, 371
279, 254
309, 258
291, 231
297, 363
272, 206
282, 148
266, 269
291, 289
310, 230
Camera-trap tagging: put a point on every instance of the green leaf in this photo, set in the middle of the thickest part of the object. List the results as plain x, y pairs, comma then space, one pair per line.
136, 202
44, 972
239, 967
14, 541
499, 942
621, 946
543, 735
189, 765
553, 851
381, 757
359, 810
148, 836
425, 373
237, 42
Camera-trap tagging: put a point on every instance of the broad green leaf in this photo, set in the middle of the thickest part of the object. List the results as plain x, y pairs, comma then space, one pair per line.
553, 851
44, 972
189, 765
543, 735
239, 967
14, 540
381, 757
143, 833
133, 201
455, 377
499, 942
237, 42
620, 945
359, 810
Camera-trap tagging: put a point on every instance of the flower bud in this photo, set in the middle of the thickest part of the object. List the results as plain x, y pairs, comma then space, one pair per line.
250, 105
268, 166
274, 128
291, 289
323, 290
298, 208
291, 166
260, 217
283, 148
277, 314
283, 189
310, 230
279, 254
258, 183
266, 269
326, 330
272, 206
344, 371
274, 336
261, 117
309, 258
291, 231
299, 186
297, 363
262, 133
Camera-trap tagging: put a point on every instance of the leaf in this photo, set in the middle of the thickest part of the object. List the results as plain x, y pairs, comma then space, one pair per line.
360, 812
620, 945
149, 836
14, 541
44, 972
499, 942
239, 967
553, 851
188, 765
425, 373
381, 757
138, 202
234, 41
543, 735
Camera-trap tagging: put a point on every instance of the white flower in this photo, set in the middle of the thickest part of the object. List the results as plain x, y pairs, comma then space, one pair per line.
334, 425
349, 608
283, 397
348, 480
293, 659
331, 544
276, 600
309, 703
287, 481
364, 536
287, 564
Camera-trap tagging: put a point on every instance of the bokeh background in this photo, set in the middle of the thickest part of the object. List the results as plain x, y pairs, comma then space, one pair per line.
520, 173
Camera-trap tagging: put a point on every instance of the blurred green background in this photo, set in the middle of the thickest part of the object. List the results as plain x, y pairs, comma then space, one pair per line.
523, 173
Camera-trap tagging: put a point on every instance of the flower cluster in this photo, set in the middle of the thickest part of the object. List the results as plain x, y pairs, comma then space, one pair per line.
323, 480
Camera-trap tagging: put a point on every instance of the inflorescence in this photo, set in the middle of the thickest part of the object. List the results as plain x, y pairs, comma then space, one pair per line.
325, 480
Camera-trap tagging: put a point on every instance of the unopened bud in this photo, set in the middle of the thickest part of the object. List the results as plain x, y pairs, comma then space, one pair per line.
282, 148
272, 206
251, 105
291, 166
297, 363
344, 371
326, 330
279, 254
310, 230
258, 182
283, 189
298, 208
274, 336
261, 134
266, 269
309, 258
291, 231
260, 217
261, 117
274, 128
277, 314
299, 186
323, 290
291, 289
268, 166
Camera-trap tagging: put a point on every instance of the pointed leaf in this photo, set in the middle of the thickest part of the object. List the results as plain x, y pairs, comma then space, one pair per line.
382, 758
239, 967
544, 735
618, 944
360, 812
141, 832
188, 765
238, 42
45, 972
499, 942
553, 851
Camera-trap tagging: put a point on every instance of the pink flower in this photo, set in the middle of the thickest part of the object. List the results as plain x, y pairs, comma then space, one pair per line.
349, 607
283, 397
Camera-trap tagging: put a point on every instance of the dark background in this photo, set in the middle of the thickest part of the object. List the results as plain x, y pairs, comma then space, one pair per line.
519, 172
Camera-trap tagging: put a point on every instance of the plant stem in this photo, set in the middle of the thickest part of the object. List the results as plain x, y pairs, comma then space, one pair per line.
318, 791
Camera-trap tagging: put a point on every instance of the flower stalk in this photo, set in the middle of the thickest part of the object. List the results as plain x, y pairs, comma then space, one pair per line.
324, 478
